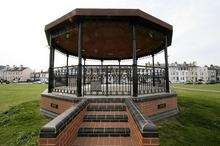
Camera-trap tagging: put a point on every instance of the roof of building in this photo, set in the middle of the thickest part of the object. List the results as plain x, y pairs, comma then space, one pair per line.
107, 33
2, 67
193, 64
15, 68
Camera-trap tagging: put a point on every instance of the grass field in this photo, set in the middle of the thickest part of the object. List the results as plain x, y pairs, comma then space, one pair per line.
20, 119
215, 87
198, 123
14, 94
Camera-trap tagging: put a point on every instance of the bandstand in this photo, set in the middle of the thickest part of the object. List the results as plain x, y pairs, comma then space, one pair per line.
141, 92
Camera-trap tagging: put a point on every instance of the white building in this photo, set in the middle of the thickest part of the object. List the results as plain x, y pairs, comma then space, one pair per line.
202, 74
16, 74
206, 74
40, 76
2, 68
217, 69
181, 73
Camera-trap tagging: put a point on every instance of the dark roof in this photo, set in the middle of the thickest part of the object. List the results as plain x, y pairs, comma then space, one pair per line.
2, 67
108, 12
182, 65
17, 69
107, 33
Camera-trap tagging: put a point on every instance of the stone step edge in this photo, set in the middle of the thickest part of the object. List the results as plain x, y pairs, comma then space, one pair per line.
103, 132
106, 108
106, 118
106, 100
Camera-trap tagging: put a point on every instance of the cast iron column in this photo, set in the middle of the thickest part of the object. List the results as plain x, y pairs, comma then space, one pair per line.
102, 76
67, 68
119, 78
79, 73
135, 76
101, 62
106, 79
166, 67
84, 74
153, 67
51, 67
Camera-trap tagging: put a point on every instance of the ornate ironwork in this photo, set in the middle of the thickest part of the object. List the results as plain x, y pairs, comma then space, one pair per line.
61, 75
146, 77
109, 79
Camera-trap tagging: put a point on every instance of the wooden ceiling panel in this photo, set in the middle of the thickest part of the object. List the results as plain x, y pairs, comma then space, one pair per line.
107, 39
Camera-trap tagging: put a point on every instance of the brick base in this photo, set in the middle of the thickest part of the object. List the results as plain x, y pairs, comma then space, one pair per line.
155, 105
54, 104
158, 105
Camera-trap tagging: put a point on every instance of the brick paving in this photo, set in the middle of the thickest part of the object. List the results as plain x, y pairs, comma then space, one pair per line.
103, 141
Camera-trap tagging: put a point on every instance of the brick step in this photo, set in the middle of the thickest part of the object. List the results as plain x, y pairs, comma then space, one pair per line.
105, 124
103, 132
104, 141
107, 100
106, 107
105, 118
106, 112
106, 104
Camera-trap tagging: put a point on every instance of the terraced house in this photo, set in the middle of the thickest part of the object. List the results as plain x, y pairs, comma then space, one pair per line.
16, 74
41, 76
182, 73
102, 105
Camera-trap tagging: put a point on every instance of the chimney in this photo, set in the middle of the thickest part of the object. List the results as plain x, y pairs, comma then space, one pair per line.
21, 66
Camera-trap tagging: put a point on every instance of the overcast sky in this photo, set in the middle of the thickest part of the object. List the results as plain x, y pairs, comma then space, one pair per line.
196, 28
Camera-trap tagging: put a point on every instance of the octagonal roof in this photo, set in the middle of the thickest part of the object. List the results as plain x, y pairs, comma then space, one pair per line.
107, 33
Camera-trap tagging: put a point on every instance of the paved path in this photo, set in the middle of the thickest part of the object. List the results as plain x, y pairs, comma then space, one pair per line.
202, 90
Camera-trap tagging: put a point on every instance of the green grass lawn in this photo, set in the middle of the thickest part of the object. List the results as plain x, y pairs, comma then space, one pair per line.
198, 123
200, 86
14, 94
20, 118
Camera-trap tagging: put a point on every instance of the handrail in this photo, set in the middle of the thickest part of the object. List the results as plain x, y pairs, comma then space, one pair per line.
150, 66
139, 66
54, 127
146, 127
66, 66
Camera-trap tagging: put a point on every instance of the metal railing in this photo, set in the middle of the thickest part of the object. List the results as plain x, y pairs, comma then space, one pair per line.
151, 80
65, 79
109, 79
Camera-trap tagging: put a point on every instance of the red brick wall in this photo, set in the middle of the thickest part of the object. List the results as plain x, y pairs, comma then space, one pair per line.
67, 136
62, 104
136, 136
150, 108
